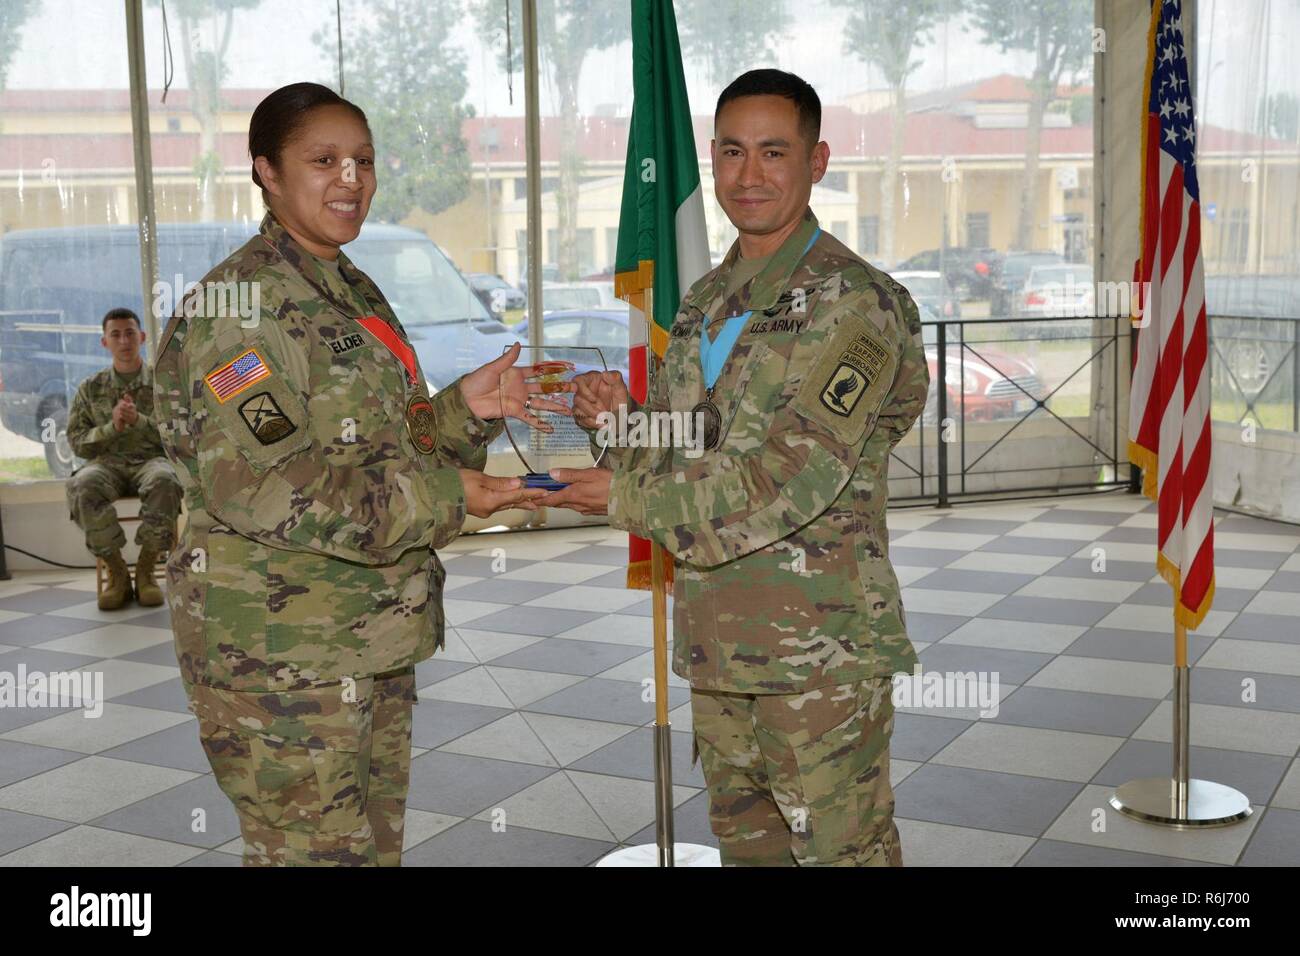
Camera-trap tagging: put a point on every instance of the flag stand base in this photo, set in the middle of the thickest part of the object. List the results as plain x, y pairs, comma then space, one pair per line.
1155, 800
1180, 800
665, 851
647, 854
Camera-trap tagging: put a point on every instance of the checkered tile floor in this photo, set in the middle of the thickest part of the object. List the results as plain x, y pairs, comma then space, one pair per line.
536, 709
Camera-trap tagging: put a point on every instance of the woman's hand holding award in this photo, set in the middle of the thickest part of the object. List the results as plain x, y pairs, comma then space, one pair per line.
549, 439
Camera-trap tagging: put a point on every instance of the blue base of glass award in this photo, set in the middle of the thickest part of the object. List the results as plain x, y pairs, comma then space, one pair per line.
542, 480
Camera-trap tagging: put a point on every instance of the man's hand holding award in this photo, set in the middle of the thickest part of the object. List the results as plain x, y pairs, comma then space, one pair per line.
549, 437
586, 490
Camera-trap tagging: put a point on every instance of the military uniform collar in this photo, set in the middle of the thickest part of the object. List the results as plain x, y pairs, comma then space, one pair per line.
143, 377
341, 291
766, 287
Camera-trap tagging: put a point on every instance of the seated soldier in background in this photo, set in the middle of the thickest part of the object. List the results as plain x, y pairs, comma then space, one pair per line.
111, 425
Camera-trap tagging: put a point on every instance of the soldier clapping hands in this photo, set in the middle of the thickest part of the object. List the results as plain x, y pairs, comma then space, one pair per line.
125, 413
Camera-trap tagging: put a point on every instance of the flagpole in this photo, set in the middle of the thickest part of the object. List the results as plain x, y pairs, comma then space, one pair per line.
665, 852
1182, 721
663, 729
1181, 801
661, 247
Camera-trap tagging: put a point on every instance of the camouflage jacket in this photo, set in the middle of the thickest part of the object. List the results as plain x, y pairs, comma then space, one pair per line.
308, 555
90, 420
783, 581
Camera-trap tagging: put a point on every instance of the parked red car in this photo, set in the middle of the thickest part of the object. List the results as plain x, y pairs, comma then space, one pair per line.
986, 387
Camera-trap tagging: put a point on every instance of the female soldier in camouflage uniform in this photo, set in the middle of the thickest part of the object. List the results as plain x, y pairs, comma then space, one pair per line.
319, 478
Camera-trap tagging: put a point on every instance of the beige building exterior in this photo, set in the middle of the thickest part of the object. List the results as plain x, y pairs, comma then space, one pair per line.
66, 160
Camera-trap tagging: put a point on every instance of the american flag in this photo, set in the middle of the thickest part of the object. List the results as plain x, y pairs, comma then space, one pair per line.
238, 375
1169, 412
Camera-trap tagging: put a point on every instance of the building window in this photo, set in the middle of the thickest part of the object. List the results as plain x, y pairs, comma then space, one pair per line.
549, 184
586, 250
868, 235
1236, 242
838, 181
977, 229
611, 247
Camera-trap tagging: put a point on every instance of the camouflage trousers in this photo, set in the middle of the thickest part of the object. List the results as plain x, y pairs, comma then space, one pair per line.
318, 777
96, 485
800, 779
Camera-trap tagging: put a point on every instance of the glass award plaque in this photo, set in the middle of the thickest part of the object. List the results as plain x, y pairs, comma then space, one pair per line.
565, 444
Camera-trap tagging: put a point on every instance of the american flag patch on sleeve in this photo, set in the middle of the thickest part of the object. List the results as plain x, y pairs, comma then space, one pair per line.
245, 371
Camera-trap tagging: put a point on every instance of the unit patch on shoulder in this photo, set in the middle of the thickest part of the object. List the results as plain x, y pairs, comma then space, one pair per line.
859, 365
265, 419
847, 381
843, 390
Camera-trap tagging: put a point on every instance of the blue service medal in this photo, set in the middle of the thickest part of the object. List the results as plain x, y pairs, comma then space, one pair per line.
566, 445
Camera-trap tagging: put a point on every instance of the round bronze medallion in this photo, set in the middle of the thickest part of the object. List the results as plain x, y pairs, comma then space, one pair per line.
712, 423
421, 424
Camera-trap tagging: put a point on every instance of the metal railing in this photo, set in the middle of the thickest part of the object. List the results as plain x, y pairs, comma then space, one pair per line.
1255, 366
1011, 396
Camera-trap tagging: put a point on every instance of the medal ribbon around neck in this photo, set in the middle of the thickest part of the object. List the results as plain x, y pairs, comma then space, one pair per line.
392, 341
421, 423
714, 354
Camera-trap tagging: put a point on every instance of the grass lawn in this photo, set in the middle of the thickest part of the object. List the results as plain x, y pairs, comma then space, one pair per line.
23, 469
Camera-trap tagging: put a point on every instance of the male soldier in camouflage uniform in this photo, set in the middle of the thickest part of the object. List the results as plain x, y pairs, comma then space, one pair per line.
111, 424
788, 620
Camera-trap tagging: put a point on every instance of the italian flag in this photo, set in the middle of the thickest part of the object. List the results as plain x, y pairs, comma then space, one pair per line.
662, 244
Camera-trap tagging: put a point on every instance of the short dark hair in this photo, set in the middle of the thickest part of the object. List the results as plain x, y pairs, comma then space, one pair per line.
279, 117
779, 83
119, 313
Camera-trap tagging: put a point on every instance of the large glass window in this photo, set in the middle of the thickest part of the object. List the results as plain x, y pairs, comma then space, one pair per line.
431, 222
68, 246
961, 145
585, 98
1248, 166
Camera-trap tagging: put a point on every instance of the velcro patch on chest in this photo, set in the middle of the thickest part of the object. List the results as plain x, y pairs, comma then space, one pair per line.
781, 325
848, 380
346, 343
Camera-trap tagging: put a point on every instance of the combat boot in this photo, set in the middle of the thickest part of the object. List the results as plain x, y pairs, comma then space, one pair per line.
118, 589
147, 593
